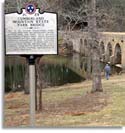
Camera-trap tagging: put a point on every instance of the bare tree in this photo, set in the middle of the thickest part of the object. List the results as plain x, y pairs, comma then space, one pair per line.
94, 44
39, 75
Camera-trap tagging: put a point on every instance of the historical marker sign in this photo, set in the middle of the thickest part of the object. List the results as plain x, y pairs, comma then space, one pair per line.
31, 33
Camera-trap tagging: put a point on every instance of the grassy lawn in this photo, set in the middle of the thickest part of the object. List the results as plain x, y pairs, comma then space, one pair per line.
71, 105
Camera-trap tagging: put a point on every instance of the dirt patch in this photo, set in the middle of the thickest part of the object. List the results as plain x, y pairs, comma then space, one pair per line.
78, 105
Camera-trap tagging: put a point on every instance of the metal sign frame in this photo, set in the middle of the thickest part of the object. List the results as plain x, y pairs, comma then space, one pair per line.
29, 53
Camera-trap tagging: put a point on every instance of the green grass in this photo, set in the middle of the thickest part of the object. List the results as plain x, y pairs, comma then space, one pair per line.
113, 114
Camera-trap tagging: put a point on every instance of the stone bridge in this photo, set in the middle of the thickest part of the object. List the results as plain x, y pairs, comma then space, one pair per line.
112, 45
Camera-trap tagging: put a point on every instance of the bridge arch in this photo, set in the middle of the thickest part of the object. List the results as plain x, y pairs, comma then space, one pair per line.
118, 54
109, 52
81, 46
102, 48
85, 47
67, 44
102, 51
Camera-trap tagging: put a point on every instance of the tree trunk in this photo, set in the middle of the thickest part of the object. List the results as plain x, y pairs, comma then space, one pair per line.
39, 81
89, 62
40, 98
36, 95
96, 73
94, 44
26, 81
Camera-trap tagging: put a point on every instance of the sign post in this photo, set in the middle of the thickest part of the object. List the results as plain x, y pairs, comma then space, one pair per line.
31, 34
32, 85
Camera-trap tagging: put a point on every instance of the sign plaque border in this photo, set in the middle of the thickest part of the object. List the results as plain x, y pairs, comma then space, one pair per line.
27, 13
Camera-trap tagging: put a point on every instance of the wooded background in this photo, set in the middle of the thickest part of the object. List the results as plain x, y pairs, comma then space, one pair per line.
73, 13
